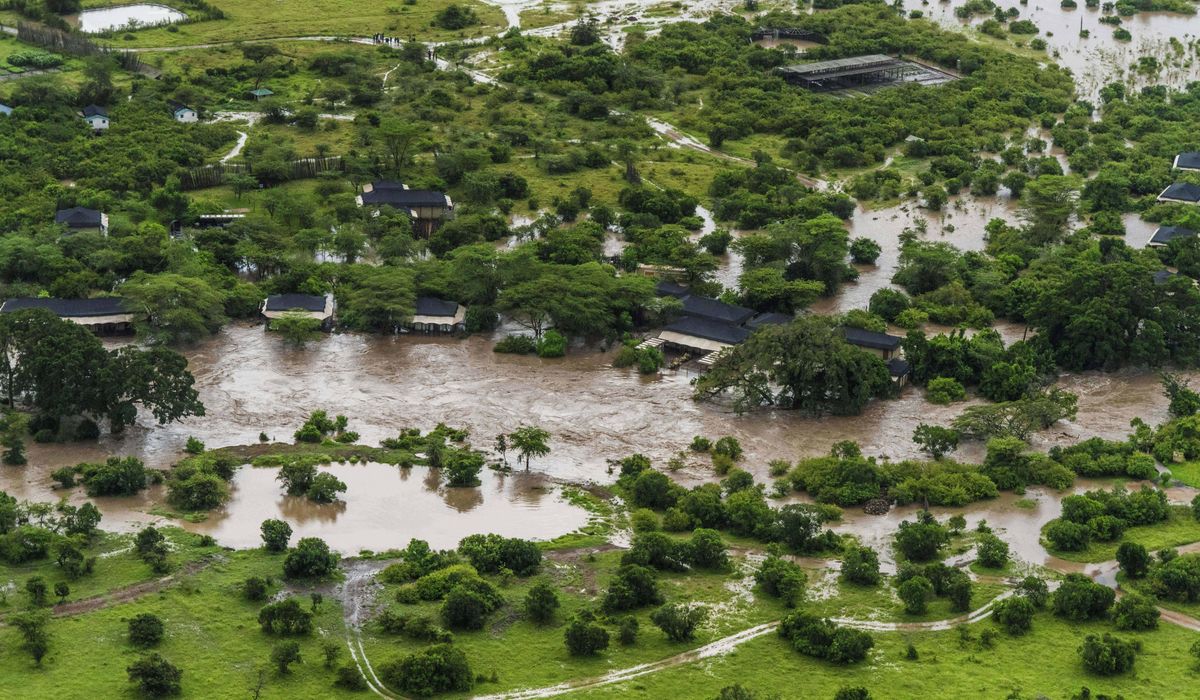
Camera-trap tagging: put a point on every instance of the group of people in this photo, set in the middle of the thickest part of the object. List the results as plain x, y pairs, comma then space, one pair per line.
397, 42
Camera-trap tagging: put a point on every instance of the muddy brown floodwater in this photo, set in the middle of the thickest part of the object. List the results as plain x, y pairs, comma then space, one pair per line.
251, 382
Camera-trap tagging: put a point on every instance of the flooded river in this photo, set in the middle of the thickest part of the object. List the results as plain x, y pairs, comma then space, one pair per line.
251, 382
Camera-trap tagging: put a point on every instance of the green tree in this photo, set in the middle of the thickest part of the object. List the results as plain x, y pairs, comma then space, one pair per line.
284, 654
145, 630
155, 676
172, 308
584, 637
678, 621
1047, 205
296, 327
530, 441
935, 440
311, 558
275, 535
804, 365
441, 668
541, 602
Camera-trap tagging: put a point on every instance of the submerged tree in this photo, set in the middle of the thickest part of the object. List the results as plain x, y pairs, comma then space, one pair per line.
530, 441
805, 365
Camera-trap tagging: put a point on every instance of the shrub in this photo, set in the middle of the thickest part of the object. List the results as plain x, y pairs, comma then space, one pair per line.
630, 588
822, 638
287, 617
584, 637
1067, 536
861, 565
729, 447
944, 390
310, 559
552, 344
627, 630
155, 676
783, 579
440, 668
1080, 598
516, 345
992, 551
678, 621
915, 593
275, 535
541, 602
1135, 612
255, 588
1107, 655
145, 630
1014, 614
864, 251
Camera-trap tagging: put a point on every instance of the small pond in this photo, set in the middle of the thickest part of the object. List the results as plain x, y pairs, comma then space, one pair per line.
127, 17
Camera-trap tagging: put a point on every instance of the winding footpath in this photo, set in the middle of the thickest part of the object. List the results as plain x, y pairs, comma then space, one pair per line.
358, 592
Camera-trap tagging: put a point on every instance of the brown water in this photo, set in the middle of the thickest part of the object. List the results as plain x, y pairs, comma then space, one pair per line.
1100, 59
384, 506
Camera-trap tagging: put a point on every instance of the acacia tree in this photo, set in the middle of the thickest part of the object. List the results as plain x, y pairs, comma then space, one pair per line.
529, 441
804, 365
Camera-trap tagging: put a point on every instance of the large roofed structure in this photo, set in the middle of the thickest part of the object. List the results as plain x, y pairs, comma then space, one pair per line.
858, 71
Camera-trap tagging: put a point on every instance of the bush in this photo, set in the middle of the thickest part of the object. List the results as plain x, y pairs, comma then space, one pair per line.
1035, 590
255, 588
630, 588
861, 565
516, 345
1067, 536
552, 344
1107, 655
155, 676
627, 631
287, 617
783, 579
145, 630
348, 677
992, 551
491, 553
275, 535
922, 540
117, 476
1080, 598
944, 390
678, 621
310, 559
915, 593
1135, 612
864, 251
440, 668
729, 447
1014, 614
584, 637
821, 638
541, 602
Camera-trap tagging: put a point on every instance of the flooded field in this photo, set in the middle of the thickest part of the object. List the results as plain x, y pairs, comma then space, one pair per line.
1100, 58
127, 17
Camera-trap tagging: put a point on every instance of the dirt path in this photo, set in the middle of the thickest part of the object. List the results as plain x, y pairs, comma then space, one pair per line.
131, 592
357, 593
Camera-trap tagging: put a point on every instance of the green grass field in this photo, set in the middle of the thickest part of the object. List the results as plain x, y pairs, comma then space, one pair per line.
1180, 529
1042, 663
247, 20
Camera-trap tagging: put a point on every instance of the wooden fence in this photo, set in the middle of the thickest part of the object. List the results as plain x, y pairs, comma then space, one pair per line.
214, 175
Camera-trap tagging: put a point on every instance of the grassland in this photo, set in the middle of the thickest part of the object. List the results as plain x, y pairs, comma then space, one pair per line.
542, 658
246, 21
1042, 663
211, 634
1180, 528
